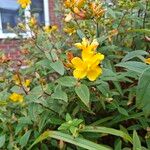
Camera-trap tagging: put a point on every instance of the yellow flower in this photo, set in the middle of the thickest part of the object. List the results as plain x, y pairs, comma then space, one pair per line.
24, 3
22, 26
32, 22
16, 97
87, 66
97, 9
16, 80
49, 29
27, 83
147, 61
72, 3
88, 49
85, 45
70, 30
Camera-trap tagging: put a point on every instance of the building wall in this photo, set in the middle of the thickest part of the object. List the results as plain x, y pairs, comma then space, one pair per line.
12, 45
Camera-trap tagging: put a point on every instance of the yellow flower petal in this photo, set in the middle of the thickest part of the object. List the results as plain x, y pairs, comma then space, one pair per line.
78, 63
86, 55
68, 17
80, 68
83, 45
78, 45
94, 73
96, 59
16, 80
27, 83
79, 74
24, 3
147, 61
85, 42
94, 44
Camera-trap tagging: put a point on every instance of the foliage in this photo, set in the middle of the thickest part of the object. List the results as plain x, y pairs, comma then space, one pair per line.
69, 96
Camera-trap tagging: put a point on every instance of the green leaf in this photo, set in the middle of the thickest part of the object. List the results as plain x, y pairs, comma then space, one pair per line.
143, 92
136, 141
45, 63
67, 81
134, 54
133, 66
34, 110
111, 12
144, 31
104, 88
80, 34
102, 38
118, 145
123, 111
107, 131
58, 67
59, 94
83, 92
2, 140
25, 120
24, 139
78, 141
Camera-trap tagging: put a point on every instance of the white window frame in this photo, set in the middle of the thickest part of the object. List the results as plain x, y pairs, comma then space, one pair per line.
27, 16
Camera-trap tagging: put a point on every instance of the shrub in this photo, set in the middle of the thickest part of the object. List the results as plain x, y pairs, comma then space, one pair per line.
85, 86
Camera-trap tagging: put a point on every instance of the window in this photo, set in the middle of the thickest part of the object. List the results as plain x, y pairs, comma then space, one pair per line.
9, 15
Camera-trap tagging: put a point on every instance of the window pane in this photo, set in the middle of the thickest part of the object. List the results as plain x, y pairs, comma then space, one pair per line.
37, 8
9, 14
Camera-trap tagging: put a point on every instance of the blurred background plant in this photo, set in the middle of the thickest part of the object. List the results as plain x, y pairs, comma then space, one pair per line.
50, 97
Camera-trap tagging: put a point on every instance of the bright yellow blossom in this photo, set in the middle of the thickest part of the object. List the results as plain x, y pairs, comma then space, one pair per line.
87, 67
88, 49
49, 29
26, 83
72, 3
97, 9
32, 22
70, 30
86, 45
147, 61
21, 26
16, 79
88, 64
24, 3
16, 97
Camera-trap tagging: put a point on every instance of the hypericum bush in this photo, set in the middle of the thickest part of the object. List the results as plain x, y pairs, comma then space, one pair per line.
85, 86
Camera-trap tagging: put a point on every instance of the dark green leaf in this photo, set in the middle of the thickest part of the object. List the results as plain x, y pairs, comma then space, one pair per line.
2, 140
24, 139
58, 67
143, 92
83, 92
136, 141
67, 81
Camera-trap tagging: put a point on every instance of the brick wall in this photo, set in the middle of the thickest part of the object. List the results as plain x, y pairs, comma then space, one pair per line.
12, 45
54, 19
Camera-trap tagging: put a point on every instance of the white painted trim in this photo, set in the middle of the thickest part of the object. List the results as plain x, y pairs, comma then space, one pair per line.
0, 24
46, 12
7, 35
27, 18
13, 35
